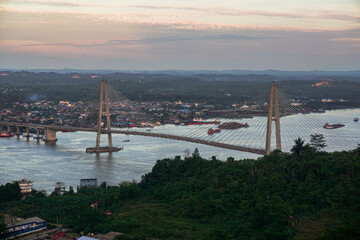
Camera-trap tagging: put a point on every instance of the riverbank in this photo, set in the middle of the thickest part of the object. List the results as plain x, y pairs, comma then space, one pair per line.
281, 196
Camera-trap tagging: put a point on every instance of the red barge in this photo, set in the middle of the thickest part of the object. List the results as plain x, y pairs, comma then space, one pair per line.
6, 134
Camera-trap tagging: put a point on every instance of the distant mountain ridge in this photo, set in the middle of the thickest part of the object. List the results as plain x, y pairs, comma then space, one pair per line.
270, 72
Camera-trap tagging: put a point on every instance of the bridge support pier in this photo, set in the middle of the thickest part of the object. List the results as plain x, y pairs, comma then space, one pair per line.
18, 131
110, 148
273, 101
50, 135
27, 133
38, 134
9, 129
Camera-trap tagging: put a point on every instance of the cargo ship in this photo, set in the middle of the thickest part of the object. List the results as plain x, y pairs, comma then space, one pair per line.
6, 134
199, 121
333, 126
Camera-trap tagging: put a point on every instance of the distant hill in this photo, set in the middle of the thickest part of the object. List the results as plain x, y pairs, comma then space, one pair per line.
224, 74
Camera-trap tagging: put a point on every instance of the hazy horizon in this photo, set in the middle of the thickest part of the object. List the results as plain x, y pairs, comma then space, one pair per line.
179, 70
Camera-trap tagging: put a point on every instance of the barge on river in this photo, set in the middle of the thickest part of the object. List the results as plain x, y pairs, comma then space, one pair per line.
333, 126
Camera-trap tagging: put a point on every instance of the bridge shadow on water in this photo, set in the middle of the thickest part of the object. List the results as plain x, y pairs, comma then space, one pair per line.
103, 156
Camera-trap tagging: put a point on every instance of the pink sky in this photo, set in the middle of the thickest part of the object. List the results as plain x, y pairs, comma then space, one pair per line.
197, 34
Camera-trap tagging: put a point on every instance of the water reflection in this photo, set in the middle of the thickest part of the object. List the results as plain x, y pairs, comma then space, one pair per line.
104, 156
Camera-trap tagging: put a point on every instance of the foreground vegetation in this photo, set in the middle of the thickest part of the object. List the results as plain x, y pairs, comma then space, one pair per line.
308, 194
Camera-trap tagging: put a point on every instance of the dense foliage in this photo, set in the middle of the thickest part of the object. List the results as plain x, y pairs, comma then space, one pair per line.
10, 192
308, 194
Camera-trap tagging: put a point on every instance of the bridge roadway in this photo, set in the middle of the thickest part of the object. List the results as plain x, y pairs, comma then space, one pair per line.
148, 134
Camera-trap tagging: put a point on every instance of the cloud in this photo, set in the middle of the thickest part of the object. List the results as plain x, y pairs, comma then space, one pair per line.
351, 40
223, 11
49, 3
296, 13
339, 16
117, 42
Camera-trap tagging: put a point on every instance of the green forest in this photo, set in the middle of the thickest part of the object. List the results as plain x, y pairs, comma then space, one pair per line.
305, 194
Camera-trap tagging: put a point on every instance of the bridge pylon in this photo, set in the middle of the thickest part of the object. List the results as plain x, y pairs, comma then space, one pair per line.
103, 99
273, 116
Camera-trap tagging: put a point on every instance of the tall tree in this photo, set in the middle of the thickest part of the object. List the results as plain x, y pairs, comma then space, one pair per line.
299, 147
317, 141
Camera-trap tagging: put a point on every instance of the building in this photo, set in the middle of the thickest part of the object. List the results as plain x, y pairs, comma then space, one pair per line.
16, 227
88, 183
60, 188
108, 236
86, 238
25, 186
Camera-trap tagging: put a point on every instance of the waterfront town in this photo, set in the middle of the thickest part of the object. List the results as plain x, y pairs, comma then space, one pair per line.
70, 113
79, 113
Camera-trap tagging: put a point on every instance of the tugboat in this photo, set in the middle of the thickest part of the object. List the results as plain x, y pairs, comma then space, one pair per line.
356, 119
6, 134
333, 126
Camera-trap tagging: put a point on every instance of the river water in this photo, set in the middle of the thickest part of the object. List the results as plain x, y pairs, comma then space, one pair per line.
66, 161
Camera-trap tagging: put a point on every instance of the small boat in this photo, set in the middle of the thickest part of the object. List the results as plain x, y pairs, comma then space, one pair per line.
217, 130
333, 126
356, 119
127, 140
210, 131
6, 134
199, 121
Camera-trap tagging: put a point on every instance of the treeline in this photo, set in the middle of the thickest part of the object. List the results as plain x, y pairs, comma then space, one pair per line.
306, 194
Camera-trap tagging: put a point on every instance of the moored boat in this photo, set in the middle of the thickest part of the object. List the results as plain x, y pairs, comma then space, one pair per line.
6, 134
67, 130
199, 121
333, 126
233, 125
356, 119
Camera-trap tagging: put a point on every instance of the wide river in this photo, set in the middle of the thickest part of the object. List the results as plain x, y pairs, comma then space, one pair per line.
66, 161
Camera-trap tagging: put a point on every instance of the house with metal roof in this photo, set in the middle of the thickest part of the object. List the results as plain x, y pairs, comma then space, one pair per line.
16, 227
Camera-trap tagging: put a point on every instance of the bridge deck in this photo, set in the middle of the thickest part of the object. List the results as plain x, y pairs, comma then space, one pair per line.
148, 134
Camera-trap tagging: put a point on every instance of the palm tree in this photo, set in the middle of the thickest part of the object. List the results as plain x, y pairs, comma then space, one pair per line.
299, 147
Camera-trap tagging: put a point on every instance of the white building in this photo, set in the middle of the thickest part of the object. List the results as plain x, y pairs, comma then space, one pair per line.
25, 186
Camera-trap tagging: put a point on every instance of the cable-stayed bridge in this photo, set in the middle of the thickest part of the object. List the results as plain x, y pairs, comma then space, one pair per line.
115, 114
